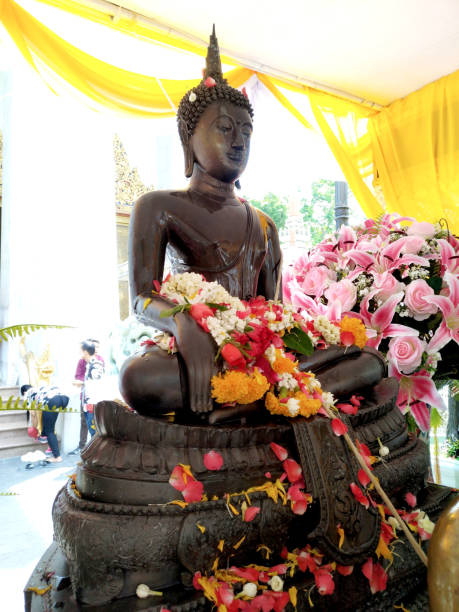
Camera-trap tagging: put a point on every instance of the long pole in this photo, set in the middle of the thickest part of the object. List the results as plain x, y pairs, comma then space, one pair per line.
421, 554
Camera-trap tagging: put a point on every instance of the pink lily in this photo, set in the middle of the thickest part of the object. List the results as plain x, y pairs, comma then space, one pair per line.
449, 257
415, 391
379, 324
387, 259
449, 306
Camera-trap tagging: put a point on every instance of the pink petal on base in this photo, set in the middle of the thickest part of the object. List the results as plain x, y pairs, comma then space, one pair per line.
213, 460
193, 491
293, 470
339, 428
411, 499
279, 451
251, 513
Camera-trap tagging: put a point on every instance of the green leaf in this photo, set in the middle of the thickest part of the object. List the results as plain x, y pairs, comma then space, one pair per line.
435, 419
217, 306
170, 312
299, 341
435, 282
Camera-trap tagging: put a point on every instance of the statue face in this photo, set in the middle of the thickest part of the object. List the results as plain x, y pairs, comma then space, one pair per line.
221, 141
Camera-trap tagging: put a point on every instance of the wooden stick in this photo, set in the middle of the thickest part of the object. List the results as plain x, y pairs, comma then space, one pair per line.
421, 554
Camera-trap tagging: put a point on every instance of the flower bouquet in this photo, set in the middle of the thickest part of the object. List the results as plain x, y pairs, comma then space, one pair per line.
402, 283
255, 340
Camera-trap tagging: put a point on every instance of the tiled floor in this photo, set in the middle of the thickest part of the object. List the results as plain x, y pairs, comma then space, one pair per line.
26, 524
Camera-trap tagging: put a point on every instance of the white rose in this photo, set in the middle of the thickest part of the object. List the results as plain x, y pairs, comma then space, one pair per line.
276, 583
250, 589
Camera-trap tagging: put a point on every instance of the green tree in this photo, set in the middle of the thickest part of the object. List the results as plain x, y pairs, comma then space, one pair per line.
275, 207
319, 213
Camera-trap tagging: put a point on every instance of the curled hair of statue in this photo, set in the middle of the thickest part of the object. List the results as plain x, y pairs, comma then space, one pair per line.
212, 88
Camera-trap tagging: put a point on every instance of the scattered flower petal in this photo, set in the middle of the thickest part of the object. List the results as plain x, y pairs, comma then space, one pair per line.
280, 452
339, 428
213, 460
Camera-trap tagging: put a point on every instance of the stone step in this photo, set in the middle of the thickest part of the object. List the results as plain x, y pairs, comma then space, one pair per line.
18, 447
13, 417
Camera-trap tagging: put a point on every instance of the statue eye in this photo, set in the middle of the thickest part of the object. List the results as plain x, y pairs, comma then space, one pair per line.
224, 127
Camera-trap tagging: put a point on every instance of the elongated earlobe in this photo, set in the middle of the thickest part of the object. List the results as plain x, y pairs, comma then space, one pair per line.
187, 150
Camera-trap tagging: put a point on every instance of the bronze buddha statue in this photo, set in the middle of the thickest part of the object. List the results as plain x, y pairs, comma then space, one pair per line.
134, 529
207, 229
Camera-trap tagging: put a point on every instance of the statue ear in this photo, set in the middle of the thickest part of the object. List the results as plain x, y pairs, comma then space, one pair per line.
187, 150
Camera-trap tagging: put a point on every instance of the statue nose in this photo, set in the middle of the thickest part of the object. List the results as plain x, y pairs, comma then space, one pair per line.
238, 142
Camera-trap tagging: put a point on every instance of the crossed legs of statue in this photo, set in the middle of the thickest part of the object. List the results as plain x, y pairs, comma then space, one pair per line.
153, 383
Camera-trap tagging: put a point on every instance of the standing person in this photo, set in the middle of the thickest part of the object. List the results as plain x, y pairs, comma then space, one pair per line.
79, 382
94, 372
52, 399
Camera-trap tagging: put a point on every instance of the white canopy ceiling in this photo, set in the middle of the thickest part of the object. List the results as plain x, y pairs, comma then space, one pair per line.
376, 50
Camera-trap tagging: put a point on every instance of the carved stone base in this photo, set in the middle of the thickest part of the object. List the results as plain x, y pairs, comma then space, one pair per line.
406, 584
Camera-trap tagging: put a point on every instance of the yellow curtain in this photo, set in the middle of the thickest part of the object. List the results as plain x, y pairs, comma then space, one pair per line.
416, 150
105, 84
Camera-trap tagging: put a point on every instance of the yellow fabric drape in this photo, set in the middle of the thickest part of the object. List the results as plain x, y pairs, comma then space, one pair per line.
106, 84
344, 126
414, 142
416, 149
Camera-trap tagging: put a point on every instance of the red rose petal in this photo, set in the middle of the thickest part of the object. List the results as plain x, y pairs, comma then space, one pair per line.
347, 338
210, 82
251, 513
359, 496
339, 428
178, 479
411, 499
347, 408
363, 478
213, 460
279, 569
345, 570
193, 491
280, 452
324, 582
248, 573
300, 507
293, 470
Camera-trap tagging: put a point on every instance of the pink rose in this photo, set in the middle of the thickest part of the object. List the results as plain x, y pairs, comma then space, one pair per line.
421, 228
414, 298
406, 353
413, 244
315, 281
344, 292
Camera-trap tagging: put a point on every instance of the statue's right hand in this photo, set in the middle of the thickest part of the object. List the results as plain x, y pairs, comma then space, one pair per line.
197, 350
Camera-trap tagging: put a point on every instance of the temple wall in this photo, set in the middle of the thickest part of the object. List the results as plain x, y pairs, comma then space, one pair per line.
58, 260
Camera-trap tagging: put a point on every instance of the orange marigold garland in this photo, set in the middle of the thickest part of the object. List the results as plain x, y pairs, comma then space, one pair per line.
353, 332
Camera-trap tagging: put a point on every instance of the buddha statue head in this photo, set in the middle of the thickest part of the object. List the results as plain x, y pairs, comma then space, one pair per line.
215, 123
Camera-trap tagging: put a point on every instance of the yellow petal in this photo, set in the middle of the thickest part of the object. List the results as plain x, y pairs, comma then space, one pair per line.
178, 502
147, 301
40, 591
220, 545
340, 531
383, 550
292, 592
215, 564
236, 546
233, 509
201, 528
266, 549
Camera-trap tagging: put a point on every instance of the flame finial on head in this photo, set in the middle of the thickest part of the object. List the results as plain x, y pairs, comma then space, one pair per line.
213, 62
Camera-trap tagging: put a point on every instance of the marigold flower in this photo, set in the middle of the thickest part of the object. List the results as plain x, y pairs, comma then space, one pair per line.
282, 364
356, 328
234, 386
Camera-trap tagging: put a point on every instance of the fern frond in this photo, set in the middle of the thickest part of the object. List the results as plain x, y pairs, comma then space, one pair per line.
16, 403
26, 328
